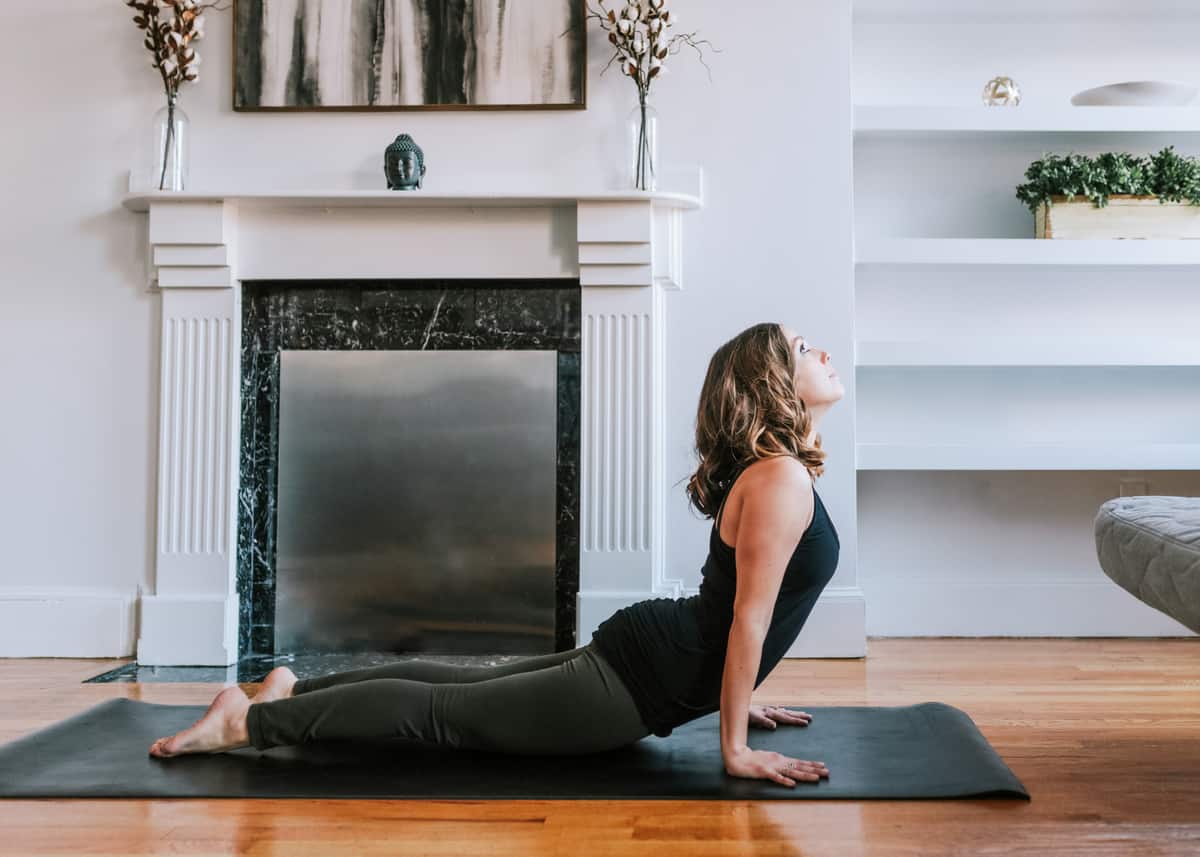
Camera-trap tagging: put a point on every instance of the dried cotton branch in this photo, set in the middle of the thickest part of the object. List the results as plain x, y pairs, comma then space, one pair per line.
169, 38
638, 34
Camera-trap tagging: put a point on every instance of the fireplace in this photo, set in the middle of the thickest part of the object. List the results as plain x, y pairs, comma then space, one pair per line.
362, 586
208, 253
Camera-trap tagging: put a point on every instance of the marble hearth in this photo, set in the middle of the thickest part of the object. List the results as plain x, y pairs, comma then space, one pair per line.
623, 250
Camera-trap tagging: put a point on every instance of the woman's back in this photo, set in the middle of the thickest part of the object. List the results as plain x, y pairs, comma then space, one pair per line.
671, 652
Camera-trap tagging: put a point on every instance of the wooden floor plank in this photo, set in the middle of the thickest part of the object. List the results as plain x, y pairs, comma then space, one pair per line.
1105, 734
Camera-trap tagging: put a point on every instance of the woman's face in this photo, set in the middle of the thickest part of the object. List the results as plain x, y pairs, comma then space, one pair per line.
817, 382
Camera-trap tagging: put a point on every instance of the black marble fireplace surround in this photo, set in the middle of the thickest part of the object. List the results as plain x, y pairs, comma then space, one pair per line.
392, 315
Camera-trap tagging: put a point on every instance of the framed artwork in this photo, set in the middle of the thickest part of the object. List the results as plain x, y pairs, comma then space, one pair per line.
409, 54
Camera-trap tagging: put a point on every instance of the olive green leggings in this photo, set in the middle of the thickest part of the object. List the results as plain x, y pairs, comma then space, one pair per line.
566, 702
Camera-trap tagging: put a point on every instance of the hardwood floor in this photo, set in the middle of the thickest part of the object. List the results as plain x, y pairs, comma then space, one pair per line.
1104, 733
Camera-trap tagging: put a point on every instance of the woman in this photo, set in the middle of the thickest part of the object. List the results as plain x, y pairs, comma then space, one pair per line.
652, 666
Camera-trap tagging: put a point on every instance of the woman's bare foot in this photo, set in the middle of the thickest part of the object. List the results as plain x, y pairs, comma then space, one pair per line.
223, 727
277, 685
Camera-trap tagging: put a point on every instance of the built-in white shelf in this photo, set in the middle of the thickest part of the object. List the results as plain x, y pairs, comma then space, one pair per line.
987, 368
1028, 456
936, 120
1017, 349
1026, 251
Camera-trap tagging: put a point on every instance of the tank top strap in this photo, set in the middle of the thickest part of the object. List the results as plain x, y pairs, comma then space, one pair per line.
728, 491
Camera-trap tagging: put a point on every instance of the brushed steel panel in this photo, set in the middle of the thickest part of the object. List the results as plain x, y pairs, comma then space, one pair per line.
417, 501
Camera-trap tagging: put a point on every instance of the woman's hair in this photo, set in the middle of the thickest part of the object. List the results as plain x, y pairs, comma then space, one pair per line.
749, 410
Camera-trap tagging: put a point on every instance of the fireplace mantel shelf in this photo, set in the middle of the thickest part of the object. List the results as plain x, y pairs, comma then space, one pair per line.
338, 198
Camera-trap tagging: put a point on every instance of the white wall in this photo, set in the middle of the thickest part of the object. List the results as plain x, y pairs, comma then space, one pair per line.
78, 329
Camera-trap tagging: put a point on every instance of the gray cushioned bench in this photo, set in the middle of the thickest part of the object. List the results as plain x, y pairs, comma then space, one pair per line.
1150, 546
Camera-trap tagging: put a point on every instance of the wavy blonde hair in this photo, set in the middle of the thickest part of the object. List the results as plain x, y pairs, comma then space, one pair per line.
749, 410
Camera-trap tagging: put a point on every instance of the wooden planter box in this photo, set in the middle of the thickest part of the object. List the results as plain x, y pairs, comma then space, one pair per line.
1125, 216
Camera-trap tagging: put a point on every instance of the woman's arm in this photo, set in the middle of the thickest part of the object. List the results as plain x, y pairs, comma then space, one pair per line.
775, 512
742, 657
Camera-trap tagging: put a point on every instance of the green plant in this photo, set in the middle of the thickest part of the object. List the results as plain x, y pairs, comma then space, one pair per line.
1170, 177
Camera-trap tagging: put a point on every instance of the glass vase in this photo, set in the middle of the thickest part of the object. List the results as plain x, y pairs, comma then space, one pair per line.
170, 146
641, 163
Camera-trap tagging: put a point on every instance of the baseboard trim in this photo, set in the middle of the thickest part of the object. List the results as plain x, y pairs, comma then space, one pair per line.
188, 630
66, 623
837, 627
80, 623
930, 608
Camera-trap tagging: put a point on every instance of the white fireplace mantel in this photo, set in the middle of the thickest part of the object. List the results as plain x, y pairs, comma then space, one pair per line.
625, 249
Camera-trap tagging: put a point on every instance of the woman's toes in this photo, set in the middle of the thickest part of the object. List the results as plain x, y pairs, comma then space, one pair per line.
221, 728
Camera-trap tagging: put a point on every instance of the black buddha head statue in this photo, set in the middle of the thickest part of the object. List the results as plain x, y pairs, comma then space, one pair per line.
404, 164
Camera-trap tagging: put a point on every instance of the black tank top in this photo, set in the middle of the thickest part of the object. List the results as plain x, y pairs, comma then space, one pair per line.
670, 653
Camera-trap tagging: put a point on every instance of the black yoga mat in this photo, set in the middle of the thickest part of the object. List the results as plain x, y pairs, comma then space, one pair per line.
931, 750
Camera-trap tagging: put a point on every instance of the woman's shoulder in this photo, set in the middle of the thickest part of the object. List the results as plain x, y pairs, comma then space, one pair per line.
785, 471
773, 486
781, 489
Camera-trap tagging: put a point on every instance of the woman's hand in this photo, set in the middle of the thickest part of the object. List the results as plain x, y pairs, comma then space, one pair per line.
768, 716
768, 765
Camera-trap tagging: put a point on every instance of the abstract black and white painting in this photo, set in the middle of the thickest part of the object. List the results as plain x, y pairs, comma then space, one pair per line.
398, 54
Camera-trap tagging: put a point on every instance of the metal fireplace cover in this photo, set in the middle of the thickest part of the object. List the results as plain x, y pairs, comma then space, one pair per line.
416, 501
